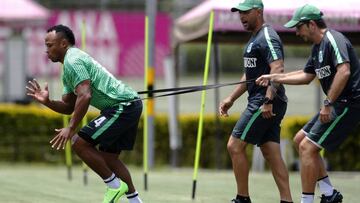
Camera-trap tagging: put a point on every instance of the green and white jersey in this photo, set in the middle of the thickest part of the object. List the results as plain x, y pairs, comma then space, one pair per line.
106, 90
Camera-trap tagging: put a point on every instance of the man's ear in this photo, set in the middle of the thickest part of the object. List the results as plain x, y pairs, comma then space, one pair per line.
64, 43
312, 24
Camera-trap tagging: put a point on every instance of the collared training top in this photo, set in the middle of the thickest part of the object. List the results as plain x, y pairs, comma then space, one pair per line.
335, 49
106, 90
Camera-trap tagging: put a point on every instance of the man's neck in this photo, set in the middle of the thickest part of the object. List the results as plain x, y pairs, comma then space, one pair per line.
63, 57
319, 36
259, 25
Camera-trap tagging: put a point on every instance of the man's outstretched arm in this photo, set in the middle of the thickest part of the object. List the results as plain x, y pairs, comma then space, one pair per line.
291, 78
64, 106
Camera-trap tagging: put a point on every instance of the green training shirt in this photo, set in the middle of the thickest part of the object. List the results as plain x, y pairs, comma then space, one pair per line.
106, 90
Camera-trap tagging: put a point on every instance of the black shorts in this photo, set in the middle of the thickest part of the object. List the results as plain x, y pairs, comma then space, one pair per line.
253, 128
115, 128
330, 135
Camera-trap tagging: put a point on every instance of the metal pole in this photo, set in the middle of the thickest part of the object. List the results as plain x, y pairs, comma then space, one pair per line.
84, 120
218, 136
175, 141
151, 9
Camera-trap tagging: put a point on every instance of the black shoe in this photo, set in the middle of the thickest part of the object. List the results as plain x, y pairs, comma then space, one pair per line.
336, 197
239, 201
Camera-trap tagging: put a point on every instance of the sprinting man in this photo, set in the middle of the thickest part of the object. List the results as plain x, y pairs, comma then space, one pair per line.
259, 124
86, 83
334, 62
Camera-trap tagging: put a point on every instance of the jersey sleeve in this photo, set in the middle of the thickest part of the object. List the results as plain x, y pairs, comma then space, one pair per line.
66, 90
338, 48
272, 49
78, 72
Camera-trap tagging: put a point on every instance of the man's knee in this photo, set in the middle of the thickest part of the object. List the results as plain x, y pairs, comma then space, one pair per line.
307, 148
234, 146
298, 138
271, 151
78, 144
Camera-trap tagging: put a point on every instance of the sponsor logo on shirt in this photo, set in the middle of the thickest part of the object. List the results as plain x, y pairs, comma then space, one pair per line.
250, 62
323, 72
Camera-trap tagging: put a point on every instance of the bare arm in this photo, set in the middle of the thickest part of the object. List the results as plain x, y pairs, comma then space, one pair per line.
64, 106
295, 78
340, 80
239, 90
291, 78
276, 67
83, 91
226, 104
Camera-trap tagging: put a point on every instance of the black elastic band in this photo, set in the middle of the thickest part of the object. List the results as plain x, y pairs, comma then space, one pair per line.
183, 90
198, 87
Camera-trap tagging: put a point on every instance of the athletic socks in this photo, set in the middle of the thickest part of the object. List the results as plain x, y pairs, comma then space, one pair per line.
134, 197
325, 186
112, 182
307, 197
243, 199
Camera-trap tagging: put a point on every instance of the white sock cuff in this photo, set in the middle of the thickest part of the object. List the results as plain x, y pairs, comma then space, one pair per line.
132, 195
111, 178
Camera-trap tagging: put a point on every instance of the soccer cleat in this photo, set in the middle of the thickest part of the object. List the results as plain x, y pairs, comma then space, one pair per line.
113, 195
336, 197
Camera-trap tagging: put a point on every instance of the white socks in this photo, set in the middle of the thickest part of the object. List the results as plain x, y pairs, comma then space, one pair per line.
134, 197
307, 198
112, 182
325, 186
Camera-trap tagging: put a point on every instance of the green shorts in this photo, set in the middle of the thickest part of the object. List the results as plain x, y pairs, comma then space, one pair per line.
330, 135
254, 129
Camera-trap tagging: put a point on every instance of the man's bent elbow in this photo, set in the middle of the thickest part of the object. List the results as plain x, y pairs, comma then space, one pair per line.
69, 111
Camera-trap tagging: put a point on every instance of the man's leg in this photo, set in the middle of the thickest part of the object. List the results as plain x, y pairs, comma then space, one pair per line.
119, 168
121, 171
324, 183
236, 149
309, 169
92, 157
272, 154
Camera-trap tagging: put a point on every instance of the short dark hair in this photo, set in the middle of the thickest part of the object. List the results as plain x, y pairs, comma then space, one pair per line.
320, 23
65, 31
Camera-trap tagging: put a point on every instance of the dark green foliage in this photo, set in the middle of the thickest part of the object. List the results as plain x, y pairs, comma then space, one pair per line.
26, 131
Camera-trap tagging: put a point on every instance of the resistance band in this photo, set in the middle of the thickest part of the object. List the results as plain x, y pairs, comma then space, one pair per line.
184, 90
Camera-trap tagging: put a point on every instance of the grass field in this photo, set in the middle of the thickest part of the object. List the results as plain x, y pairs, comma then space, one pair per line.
44, 184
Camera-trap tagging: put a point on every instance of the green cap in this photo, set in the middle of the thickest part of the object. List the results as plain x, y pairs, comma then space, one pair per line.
248, 5
304, 13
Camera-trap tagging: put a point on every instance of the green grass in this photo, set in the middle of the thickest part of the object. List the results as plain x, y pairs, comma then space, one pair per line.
44, 184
